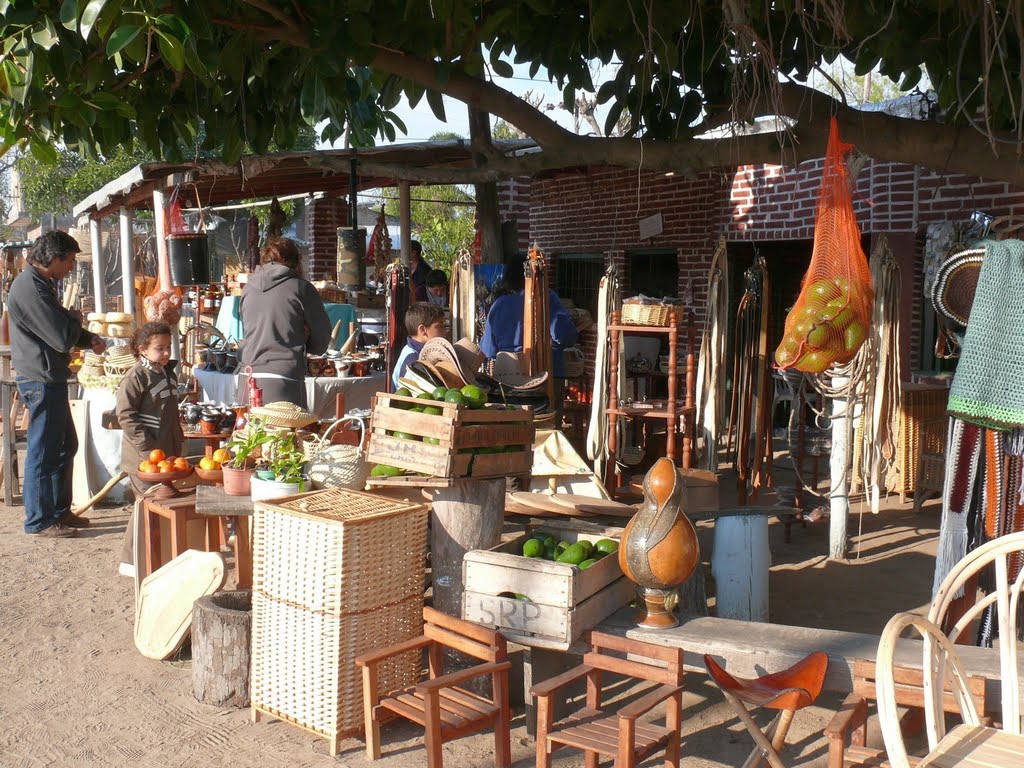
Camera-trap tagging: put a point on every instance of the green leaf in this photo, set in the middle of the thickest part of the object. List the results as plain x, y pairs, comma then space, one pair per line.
171, 50
4, 5
436, 104
89, 16
46, 36
69, 14
312, 99
43, 151
121, 37
569, 98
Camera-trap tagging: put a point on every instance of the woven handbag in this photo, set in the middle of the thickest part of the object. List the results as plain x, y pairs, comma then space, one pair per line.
339, 466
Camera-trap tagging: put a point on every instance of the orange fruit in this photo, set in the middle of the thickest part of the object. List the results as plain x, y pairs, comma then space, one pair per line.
181, 464
156, 456
148, 466
221, 455
165, 467
209, 464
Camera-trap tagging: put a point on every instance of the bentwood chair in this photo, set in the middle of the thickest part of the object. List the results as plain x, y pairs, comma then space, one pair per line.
970, 744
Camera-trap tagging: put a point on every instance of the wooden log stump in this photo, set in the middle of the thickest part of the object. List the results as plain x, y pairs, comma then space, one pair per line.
467, 515
221, 648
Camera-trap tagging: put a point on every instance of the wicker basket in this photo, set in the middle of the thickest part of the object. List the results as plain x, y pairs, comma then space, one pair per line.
336, 573
117, 370
646, 314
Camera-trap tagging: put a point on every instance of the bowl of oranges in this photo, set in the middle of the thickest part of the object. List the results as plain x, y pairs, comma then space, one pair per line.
162, 469
209, 468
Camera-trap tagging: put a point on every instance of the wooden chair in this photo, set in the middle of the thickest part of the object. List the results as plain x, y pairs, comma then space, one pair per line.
847, 731
785, 691
931, 462
438, 704
971, 744
616, 734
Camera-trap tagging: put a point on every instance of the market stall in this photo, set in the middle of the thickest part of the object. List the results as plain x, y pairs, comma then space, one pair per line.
321, 391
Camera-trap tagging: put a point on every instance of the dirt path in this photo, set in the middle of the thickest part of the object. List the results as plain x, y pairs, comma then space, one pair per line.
76, 693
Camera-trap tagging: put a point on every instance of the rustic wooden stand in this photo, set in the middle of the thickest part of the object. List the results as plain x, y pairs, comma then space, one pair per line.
676, 417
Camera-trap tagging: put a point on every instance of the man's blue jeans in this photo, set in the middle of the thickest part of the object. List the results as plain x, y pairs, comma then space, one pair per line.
49, 457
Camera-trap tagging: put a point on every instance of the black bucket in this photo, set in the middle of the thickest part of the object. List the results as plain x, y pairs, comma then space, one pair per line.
189, 255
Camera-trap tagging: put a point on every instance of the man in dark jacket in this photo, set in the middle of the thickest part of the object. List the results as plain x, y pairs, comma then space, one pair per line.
283, 318
42, 335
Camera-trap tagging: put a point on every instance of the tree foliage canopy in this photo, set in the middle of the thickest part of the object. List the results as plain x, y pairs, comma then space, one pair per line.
93, 74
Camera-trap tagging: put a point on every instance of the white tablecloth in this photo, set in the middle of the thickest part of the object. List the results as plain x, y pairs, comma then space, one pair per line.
320, 391
102, 446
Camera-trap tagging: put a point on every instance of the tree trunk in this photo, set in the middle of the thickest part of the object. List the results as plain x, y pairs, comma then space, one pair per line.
221, 648
839, 511
487, 214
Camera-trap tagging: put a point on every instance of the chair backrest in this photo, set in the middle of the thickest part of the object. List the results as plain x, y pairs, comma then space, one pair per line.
1003, 558
472, 639
656, 663
910, 687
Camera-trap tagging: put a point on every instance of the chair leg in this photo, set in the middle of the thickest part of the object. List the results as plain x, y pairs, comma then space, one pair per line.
502, 737
764, 748
627, 740
673, 721
370, 723
432, 726
545, 720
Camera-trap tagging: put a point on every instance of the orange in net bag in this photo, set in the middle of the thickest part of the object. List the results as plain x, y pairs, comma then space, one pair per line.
829, 321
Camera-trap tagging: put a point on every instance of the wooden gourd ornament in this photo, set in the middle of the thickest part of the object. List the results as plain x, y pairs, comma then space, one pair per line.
659, 548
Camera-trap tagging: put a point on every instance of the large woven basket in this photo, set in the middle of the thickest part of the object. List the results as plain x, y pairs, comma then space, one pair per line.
336, 573
645, 314
337, 466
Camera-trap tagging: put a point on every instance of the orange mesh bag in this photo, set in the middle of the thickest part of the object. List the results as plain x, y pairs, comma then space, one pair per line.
829, 321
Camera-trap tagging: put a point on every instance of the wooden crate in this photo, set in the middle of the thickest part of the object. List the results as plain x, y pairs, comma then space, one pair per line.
458, 430
564, 602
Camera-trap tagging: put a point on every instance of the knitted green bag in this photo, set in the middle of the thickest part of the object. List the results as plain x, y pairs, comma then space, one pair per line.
988, 388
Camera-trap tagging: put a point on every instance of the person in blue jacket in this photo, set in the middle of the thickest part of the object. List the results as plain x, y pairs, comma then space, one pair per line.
503, 331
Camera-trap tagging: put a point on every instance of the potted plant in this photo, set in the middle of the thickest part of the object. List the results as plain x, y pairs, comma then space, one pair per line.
243, 446
280, 471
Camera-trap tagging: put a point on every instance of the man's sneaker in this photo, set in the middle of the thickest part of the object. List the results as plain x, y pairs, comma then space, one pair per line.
56, 531
74, 521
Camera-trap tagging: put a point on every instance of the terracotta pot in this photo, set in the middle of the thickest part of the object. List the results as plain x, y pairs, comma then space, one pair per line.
659, 550
237, 481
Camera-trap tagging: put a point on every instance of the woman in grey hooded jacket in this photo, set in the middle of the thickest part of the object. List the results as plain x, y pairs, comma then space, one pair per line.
283, 319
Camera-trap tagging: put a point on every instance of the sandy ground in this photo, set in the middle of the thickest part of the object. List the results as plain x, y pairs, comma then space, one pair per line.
76, 693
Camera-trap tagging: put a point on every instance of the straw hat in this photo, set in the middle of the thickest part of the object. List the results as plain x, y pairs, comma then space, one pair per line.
461, 359
955, 284
283, 414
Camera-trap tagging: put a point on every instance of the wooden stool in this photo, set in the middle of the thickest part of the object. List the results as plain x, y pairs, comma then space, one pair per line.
786, 691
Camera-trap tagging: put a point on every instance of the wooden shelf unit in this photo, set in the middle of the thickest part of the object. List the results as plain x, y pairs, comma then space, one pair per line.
677, 416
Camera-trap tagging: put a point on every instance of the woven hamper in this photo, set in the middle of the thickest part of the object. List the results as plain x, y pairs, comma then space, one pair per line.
336, 573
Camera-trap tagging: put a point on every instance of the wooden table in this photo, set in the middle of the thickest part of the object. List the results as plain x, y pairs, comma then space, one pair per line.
9, 448
213, 441
205, 504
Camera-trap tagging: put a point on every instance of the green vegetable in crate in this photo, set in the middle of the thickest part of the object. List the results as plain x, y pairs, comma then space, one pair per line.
426, 396
587, 545
606, 546
402, 392
433, 410
475, 397
438, 393
533, 548
432, 440
455, 397
406, 436
587, 563
574, 555
385, 470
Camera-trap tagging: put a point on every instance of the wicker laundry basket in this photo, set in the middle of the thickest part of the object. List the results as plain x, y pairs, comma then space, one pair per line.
336, 573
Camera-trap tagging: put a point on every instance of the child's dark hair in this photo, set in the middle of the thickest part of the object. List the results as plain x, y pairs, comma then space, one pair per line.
142, 336
422, 313
437, 278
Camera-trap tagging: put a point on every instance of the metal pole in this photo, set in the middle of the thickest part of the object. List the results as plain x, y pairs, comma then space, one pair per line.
99, 282
127, 260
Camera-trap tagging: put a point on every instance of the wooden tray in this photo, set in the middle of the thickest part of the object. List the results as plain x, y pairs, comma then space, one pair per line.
592, 505
163, 616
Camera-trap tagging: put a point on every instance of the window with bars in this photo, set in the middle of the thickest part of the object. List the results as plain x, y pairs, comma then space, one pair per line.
578, 277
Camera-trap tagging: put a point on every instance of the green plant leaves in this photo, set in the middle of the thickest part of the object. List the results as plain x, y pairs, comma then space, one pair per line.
90, 16
121, 38
69, 14
312, 99
171, 51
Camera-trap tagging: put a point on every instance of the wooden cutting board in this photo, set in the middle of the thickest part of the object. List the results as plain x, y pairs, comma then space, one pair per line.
593, 506
163, 615
513, 507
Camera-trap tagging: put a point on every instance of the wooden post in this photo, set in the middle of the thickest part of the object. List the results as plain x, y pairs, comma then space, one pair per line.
838, 497
610, 474
221, 648
405, 219
99, 280
128, 260
468, 515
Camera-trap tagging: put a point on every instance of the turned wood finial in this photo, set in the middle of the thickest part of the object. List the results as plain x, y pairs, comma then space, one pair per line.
661, 482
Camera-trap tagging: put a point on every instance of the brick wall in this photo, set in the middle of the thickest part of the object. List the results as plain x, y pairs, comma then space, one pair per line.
323, 217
